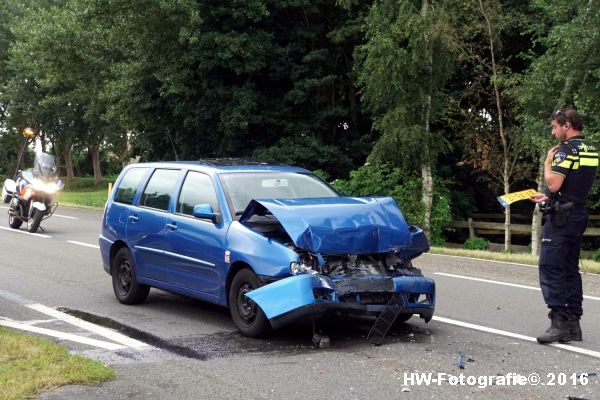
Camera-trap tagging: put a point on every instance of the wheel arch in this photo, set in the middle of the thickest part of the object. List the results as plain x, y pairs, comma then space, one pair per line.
116, 246
233, 270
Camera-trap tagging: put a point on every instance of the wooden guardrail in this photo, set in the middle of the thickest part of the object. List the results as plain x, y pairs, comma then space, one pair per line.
497, 228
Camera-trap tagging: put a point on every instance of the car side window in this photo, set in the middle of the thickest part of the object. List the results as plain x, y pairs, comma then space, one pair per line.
196, 189
159, 188
129, 183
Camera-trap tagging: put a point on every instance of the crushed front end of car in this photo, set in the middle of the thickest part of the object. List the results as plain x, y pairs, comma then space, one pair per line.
354, 255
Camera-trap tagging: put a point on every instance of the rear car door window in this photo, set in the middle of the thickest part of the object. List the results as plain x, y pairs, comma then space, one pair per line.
196, 189
159, 189
128, 185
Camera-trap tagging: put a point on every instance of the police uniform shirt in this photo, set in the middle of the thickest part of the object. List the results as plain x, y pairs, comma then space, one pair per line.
577, 161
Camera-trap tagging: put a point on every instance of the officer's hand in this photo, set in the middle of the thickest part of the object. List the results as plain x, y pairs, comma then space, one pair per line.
551, 153
538, 197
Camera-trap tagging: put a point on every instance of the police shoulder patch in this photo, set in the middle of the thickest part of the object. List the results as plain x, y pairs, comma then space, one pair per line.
558, 158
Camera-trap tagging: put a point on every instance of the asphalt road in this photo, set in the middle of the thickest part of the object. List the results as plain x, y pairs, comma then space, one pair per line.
175, 347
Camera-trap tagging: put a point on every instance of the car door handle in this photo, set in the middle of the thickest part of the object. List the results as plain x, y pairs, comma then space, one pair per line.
133, 218
172, 227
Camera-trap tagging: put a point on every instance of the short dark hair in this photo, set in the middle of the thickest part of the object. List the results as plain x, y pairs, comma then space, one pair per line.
569, 115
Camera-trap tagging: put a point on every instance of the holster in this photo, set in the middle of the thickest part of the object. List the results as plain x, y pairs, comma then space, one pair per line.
559, 213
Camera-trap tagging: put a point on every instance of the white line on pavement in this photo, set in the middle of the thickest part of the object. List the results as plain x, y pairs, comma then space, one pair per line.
64, 216
83, 244
99, 330
54, 215
502, 283
25, 233
516, 336
62, 335
483, 259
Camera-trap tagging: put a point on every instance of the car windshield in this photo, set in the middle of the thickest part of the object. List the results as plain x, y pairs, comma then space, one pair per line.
246, 186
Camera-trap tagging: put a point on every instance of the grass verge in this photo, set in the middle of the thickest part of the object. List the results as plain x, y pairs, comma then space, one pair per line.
30, 365
83, 198
585, 265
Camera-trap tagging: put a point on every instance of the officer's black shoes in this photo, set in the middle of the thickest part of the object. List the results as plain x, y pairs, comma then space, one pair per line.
574, 328
559, 330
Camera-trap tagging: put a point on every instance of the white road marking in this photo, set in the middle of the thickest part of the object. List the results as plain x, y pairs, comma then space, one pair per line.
83, 244
502, 283
37, 321
566, 347
483, 259
62, 335
24, 232
64, 216
99, 330
54, 215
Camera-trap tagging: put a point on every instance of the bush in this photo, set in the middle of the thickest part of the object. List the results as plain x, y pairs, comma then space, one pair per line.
406, 189
476, 243
596, 255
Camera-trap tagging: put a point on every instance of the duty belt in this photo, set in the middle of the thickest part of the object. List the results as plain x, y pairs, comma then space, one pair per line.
556, 207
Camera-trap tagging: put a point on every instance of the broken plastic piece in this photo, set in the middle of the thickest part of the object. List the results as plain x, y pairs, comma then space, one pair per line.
386, 319
460, 360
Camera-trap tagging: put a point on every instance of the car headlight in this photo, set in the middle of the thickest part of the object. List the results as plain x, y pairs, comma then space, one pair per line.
297, 268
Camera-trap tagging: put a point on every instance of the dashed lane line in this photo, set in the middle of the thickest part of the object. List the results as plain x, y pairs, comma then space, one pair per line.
24, 232
501, 283
54, 215
94, 246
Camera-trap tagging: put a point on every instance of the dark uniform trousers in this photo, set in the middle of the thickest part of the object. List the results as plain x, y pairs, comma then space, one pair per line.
560, 279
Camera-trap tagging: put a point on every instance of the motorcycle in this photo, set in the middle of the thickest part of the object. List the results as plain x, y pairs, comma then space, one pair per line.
32, 196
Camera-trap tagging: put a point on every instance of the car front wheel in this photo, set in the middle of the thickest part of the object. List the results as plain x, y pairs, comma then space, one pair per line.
246, 314
125, 285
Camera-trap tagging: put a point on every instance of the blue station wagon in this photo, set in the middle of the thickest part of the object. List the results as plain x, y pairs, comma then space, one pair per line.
273, 243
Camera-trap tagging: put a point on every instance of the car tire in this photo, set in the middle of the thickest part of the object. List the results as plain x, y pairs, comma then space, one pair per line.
125, 285
33, 223
246, 314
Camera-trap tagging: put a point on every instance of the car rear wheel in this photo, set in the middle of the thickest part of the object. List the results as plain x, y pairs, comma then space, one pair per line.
125, 285
246, 314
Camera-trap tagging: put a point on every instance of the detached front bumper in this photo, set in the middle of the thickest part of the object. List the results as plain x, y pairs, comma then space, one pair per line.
312, 296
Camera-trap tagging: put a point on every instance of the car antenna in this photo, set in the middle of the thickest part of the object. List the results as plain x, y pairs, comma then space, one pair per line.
172, 144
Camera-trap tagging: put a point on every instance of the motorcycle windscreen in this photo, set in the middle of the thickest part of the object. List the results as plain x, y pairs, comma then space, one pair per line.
44, 166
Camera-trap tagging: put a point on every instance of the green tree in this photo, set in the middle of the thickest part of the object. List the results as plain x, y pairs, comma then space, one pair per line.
564, 70
403, 69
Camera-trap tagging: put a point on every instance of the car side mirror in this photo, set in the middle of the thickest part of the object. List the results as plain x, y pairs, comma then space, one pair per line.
205, 211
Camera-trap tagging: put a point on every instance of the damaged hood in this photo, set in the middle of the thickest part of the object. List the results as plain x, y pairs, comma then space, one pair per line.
338, 225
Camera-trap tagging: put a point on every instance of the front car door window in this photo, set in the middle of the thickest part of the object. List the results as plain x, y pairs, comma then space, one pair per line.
197, 189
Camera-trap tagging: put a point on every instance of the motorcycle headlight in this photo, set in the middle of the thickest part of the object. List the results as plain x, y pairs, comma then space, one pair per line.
41, 186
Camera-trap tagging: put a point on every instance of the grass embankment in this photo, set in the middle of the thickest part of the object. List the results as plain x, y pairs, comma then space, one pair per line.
81, 192
30, 365
520, 258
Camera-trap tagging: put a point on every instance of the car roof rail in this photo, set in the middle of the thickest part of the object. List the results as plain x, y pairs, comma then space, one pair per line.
224, 162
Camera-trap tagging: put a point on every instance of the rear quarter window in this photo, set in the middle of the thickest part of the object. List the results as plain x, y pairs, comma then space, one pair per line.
159, 189
128, 185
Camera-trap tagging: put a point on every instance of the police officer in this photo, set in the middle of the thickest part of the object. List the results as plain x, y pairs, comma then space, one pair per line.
569, 172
